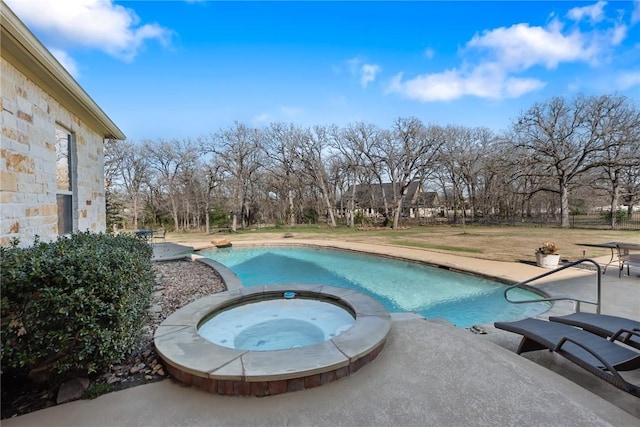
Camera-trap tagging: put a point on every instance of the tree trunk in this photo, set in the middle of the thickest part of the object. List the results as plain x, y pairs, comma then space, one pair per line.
135, 212
292, 214
332, 217
206, 219
396, 214
174, 212
564, 207
615, 196
352, 203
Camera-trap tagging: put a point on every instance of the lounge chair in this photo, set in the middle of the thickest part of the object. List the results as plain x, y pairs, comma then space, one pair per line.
591, 352
604, 325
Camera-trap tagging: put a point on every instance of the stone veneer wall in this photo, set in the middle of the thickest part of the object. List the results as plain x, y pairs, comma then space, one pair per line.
28, 204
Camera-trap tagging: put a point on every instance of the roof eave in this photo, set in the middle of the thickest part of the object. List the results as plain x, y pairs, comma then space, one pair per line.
24, 51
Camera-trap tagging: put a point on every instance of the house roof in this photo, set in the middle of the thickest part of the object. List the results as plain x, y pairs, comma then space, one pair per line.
414, 194
24, 51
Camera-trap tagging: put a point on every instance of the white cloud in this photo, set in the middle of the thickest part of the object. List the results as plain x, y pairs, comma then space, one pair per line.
617, 34
487, 81
515, 87
368, 73
520, 46
66, 61
95, 24
429, 53
431, 87
594, 13
506, 52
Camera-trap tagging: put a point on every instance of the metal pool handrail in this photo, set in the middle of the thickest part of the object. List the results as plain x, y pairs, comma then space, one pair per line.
577, 300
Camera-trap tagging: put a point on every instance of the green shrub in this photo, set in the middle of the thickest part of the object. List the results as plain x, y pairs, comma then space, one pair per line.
619, 213
358, 219
74, 304
218, 217
309, 216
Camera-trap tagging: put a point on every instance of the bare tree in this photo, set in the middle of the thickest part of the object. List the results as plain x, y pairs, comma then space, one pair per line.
211, 180
280, 149
355, 143
127, 165
521, 190
464, 165
369, 144
113, 157
560, 144
238, 152
630, 187
134, 175
617, 124
454, 156
170, 159
293, 174
411, 154
311, 153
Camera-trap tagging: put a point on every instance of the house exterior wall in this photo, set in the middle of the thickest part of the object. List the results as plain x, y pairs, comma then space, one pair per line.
28, 163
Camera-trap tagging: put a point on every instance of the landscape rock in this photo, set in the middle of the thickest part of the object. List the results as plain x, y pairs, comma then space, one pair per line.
72, 390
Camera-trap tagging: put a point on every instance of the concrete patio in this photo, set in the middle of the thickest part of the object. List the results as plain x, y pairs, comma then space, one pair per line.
429, 373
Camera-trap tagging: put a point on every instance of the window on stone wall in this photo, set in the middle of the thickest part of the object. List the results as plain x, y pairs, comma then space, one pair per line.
64, 180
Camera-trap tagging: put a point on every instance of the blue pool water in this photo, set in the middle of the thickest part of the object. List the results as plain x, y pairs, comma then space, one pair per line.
400, 286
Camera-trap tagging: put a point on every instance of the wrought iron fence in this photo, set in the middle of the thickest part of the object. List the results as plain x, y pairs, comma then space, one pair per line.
601, 221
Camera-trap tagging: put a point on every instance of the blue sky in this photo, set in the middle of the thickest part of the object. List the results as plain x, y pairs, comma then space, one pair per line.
185, 69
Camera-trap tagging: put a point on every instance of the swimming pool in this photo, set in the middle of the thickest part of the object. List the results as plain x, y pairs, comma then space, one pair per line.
400, 286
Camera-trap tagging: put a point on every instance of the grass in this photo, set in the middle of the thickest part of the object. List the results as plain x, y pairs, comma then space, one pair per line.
500, 243
97, 390
448, 248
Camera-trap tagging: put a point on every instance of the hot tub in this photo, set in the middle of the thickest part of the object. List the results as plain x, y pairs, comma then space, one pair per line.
204, 360
278, 323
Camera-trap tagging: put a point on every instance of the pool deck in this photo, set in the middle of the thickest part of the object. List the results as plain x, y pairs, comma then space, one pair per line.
429, 373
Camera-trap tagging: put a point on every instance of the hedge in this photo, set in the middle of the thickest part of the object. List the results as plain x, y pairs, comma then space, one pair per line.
77, 303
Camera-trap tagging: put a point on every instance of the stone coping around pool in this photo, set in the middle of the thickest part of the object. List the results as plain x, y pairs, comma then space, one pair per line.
194, 360
230, 279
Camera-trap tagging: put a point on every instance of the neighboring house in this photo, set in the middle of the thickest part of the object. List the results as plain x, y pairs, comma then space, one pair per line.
369, 200
52, 147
